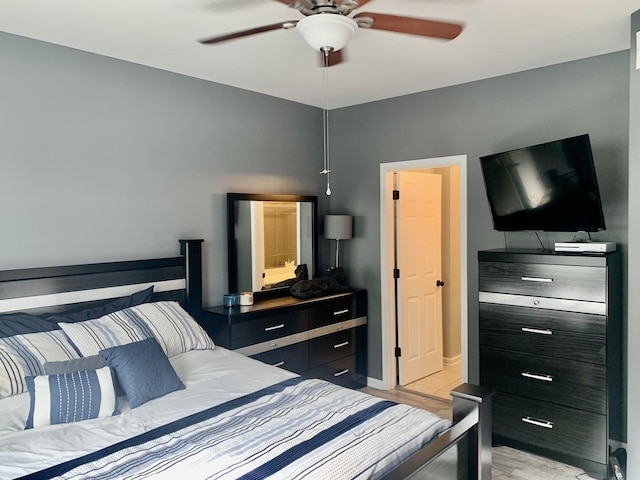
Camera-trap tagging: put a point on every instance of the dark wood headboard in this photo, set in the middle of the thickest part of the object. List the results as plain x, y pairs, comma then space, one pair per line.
53, 289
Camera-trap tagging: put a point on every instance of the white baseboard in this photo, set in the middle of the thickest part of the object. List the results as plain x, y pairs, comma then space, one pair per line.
375, 383
451, 361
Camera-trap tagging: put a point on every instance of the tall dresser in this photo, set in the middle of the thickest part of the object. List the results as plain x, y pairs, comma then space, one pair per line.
323, 337
550, 345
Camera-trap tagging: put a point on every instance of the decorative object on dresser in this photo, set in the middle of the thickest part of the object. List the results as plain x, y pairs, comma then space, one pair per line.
323, 337
338, 227
332, 281
550, 345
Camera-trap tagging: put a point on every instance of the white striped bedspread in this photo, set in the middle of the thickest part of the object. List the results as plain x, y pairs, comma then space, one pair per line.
296, 429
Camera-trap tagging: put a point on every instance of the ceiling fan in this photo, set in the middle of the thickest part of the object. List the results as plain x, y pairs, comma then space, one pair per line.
328, 25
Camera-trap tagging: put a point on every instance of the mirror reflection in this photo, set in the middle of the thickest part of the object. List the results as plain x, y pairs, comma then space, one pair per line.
271, 240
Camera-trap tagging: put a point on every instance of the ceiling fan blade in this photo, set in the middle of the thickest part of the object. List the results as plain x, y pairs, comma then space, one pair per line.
410, 25
252, 31
334, 58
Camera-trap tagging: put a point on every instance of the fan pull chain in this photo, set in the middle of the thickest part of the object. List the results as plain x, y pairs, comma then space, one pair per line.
325, 119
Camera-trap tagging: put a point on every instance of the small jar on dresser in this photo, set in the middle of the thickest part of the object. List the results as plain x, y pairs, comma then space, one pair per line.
323, 337
550, 345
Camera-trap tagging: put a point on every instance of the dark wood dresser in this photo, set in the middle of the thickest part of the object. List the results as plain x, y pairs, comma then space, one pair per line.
323, 337
550, 345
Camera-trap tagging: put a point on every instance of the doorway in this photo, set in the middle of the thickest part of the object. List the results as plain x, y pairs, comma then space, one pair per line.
454, 265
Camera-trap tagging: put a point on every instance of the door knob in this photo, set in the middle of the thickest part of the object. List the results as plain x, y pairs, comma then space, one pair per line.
439, 283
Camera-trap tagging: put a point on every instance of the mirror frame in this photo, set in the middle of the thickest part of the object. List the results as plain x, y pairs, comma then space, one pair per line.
232, 198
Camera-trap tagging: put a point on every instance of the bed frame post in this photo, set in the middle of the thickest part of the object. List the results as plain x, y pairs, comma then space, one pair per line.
468, 399
192, 252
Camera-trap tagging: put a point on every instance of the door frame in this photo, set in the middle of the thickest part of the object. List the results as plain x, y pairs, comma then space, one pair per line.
387, 297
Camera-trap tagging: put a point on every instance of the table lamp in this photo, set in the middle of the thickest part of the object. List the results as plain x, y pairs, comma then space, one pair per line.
338, 227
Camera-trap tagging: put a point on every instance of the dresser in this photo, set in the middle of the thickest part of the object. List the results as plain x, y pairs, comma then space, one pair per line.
550, 345
323, 337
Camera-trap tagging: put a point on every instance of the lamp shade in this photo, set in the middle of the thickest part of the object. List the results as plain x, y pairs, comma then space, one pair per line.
326, 30
338, 227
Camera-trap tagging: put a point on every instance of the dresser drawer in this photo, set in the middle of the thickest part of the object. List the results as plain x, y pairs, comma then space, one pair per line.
293, 357
566, 382
341, 371
562, 429
328, 348
568, 335
268, 328
573, 282
332, 312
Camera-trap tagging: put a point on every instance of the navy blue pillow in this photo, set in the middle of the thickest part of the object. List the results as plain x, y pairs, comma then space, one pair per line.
22, 323
105, 308
143, 370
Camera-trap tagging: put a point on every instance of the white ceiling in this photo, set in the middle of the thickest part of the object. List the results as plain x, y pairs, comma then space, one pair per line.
500, 37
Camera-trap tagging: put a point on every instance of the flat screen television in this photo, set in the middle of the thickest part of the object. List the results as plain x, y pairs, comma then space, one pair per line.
546, 187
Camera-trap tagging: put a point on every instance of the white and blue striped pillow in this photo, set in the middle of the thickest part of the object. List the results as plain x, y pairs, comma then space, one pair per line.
174, 329
25, 355
70, 397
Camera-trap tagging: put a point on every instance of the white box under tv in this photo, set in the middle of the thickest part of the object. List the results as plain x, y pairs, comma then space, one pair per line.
585, 247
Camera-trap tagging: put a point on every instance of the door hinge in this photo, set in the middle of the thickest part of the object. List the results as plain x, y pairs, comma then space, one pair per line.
398, 352
396, 194
396, 273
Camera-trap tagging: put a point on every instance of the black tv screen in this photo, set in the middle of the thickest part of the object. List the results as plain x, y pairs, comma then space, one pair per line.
547, 187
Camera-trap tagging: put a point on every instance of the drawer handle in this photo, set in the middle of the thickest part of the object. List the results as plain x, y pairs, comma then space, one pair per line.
340, 312
537, 330
537, 422
276, 327
537, 279
343, 344
536, 376
343, 372
279, 364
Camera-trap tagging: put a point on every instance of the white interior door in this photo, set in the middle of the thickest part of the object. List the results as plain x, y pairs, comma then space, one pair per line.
418, 227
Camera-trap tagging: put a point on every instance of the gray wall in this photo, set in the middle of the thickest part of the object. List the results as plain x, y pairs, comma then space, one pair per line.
633, 338
105, 160
587, 96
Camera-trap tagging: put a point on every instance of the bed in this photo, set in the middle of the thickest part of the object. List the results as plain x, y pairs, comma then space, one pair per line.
105, 374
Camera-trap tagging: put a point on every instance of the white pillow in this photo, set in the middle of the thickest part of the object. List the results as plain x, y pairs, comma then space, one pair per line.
25, 355
14, 413
174, 329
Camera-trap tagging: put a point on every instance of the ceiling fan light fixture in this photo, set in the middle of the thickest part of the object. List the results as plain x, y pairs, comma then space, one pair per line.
327, 31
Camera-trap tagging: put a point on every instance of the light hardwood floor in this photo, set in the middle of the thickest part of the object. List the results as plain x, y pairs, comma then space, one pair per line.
508, 463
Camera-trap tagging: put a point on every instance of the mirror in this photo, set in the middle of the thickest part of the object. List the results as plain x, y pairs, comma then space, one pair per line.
269, 236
